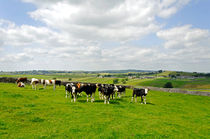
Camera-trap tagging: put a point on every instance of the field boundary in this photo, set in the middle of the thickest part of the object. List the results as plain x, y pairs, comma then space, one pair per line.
170, 90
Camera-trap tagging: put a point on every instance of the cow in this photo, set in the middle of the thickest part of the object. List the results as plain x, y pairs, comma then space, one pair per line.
34, 83
120, 90
50, 82
107, 90
90, 90
140, 92
21, 84
71, 89
23, 80
58, 82
100, 88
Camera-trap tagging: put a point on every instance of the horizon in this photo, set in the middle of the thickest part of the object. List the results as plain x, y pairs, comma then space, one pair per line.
106, 70
97, 35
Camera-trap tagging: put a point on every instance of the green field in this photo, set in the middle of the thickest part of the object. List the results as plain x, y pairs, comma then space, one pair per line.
26, 113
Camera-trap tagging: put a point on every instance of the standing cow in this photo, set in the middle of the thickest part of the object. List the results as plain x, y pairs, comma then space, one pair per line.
34, 83
140, 92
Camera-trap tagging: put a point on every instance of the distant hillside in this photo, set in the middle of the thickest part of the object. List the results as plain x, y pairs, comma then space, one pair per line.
44, 72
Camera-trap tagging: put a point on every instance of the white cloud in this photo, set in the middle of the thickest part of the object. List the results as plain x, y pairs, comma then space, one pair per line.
118, 20
184, 37
76, 30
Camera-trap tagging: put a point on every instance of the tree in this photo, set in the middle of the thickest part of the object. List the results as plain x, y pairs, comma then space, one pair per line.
115, 81
123, 81
168, 85
70, 79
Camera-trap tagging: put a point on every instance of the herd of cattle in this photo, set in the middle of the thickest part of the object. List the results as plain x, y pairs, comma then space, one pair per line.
106, 91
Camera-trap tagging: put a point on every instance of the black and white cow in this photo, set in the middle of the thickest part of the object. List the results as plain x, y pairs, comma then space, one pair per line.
90, 90
71, 89
140, 92
120, 90
107, 91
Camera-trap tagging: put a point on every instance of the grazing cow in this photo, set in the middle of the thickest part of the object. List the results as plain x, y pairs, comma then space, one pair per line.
34, 83
21, 84
90, 90
120, 90
71, 89
140, 92
23, 80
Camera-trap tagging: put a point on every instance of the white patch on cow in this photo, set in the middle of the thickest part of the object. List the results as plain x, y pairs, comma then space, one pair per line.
146, 90
115, 88
73, 89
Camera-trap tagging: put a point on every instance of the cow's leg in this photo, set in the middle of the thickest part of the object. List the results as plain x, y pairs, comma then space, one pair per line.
104, 99
71, 97
99, 94
87, 98
54, 87
108, 99
145, 100
91, 95
102, 96
141, 99
75, 97
66, 93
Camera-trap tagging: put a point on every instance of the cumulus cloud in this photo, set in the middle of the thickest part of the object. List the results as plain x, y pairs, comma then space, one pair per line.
186, 46
184, 37
117, 20
75, 31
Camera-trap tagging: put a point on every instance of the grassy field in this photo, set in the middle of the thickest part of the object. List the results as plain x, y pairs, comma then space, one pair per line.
26, 113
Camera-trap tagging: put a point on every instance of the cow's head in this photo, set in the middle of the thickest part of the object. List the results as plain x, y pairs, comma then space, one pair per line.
115, 88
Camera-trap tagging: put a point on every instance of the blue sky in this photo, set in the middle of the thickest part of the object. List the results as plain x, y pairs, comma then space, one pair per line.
122, 34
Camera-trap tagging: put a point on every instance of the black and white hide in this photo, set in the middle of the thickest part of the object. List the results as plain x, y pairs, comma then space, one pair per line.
71, 89
120, 90
90, 90
140, 92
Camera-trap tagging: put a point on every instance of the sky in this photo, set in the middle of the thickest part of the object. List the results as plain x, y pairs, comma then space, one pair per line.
105, 35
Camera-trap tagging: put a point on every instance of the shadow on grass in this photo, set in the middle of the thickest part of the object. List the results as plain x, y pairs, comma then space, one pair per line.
98, 101
150, 103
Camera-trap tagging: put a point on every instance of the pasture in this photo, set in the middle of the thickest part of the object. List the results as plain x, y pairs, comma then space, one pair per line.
26, 113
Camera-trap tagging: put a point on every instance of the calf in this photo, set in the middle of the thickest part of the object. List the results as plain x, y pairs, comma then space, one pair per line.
21, 84
140, 92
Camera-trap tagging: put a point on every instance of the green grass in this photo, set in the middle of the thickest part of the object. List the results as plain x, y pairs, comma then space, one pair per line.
26, 113
203, 83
